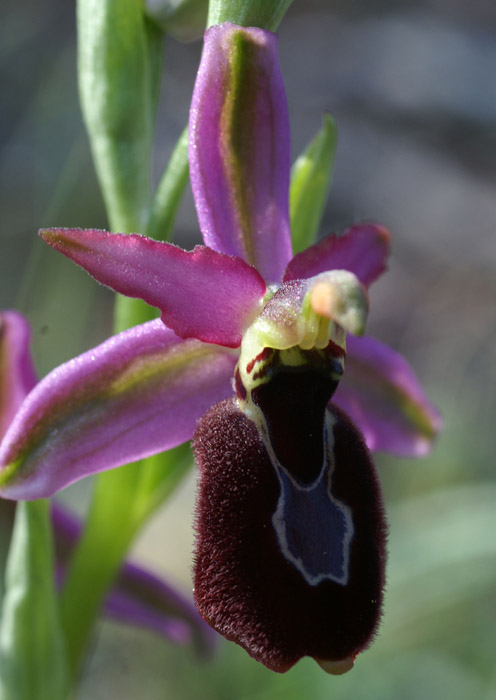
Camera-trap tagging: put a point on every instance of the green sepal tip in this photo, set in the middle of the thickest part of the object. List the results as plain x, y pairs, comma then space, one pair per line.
311, 177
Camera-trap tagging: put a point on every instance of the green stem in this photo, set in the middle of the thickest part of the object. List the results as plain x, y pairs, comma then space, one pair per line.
119, 54
266, 14
93, 568
169, 192
123, 498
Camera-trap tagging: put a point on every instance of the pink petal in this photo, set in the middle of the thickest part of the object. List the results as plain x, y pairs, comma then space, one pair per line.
362, 249
17, 373
201, 294
240, 149
139, 393
383, 397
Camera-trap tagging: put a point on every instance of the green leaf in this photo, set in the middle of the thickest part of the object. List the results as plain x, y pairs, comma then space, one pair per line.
169, 192
119, 65
32, 653
266, 14
123, 500
310, 181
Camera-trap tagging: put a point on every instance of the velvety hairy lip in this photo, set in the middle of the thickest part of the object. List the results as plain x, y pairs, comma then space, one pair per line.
244, 586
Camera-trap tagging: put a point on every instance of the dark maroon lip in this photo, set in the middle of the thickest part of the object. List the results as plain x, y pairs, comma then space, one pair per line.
246, 587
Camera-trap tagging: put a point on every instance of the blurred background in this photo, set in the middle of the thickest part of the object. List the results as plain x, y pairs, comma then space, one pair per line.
411, 85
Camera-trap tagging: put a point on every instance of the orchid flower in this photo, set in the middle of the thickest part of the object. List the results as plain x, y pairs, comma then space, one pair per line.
290, 548
138, 597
